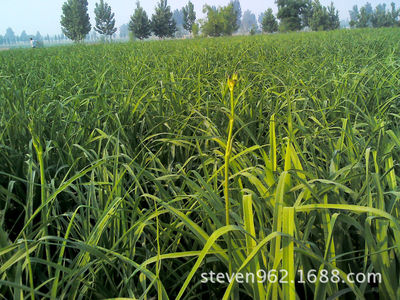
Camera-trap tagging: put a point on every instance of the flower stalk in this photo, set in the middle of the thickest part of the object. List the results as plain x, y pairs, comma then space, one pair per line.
231, 85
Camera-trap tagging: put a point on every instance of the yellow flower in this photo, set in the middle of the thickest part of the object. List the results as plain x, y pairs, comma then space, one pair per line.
232, 81
235, 77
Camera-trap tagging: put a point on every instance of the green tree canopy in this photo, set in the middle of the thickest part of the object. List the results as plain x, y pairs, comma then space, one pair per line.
380, 17
220, 21
177, 15
290, 14
9, 37
268, 22
24, 36
394, 14
212, 25
365, 18
139, 24
230, 15
333, 17
383, 17
75, 22
189, 16
38, 36
162, 23
238, 9
306, 13
354, 14
249, 22
324, 18
319, 18
195, 29
105, 20
124, 31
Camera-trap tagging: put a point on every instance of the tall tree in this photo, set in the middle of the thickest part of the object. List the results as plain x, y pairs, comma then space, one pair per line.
139, 24
269, 23
394, 14
189, 16
213, 24
238, 9
231, 18
195, 29
23, 37
249, 22
9, 37
220, 21
333, 17
368, 9
260, 18
75, 22
105, 19
290, 14
177, 15
306, 13
380, 17
162, 23
364, 19
124, 31
324, 18
354, 15
38, 36
92, 35
365, 16
319, 19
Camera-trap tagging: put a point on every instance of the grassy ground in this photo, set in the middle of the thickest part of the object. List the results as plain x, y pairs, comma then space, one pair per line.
117, 161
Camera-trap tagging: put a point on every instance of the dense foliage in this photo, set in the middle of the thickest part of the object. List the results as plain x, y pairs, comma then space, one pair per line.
323, 18
290, 14
189, 16
105, 19
238, 10
139, 23
220, 21
75, 22
297, 14
268, 21
378, 17
162, 23
248, 22
117, 159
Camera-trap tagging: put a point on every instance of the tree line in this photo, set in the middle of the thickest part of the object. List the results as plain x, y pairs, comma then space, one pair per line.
11, 38
292, 15
219, 21
378, 17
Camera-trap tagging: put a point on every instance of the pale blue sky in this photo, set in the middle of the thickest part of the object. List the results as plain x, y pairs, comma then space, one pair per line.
44, 15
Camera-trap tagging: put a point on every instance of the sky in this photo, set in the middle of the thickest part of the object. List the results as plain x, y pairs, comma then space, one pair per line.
44, 15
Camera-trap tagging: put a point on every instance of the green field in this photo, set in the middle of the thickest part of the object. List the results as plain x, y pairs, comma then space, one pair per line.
116, 162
